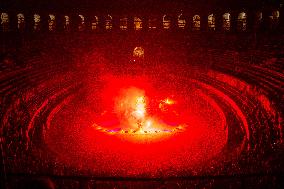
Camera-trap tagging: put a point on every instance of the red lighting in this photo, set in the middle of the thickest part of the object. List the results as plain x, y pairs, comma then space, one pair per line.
136, 113
140, 122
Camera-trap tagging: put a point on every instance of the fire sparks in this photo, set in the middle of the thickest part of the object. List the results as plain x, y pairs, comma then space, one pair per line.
163, 105
131, 108
140, 109
169, 101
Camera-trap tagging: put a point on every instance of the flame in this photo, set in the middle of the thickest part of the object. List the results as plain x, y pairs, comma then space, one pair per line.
165, 103
131, 107
140, 108
169, 101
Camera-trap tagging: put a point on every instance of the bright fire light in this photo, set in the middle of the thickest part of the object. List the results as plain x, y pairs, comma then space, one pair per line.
131, 108
168, 101
165, 103
140, 109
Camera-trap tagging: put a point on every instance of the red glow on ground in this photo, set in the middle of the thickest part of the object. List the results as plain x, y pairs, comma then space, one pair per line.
76, 131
